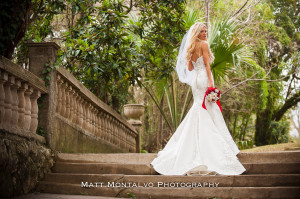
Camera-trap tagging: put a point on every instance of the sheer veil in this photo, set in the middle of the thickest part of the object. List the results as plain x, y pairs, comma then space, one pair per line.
185, 76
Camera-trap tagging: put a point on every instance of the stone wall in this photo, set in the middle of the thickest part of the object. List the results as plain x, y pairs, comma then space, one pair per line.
71, 117
23, 162
70, 138
24, 157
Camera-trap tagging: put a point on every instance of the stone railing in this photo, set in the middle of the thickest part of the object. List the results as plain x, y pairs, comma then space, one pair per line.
74, 119
77, 106
19, 91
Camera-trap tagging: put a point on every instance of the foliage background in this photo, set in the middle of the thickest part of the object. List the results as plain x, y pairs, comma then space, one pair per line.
125, 52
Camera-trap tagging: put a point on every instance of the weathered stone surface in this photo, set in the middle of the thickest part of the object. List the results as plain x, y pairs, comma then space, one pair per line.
146, 158
174, 192
23, 163
110, 175
58, 196
71, 139
22, 74
258, 180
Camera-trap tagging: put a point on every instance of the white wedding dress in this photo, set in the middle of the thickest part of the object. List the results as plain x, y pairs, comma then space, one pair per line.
202, 141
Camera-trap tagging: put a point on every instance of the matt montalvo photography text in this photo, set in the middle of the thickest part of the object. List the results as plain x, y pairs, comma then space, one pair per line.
149, 184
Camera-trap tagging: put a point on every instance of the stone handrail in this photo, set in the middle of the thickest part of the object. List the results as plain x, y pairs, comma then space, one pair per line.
74, 119
19, 91
82, 108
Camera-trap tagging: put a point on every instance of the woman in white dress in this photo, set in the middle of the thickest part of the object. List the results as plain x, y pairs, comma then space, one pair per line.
202, 143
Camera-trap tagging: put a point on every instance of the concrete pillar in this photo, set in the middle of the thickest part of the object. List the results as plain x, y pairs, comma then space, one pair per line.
39, 55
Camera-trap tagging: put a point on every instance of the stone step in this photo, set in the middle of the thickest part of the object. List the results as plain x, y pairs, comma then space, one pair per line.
262, 180
172, 192
144, 169
103, 168
146, 158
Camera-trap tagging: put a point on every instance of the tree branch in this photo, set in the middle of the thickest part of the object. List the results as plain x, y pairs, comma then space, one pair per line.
240, 9
292, 101
130, 7
246, 80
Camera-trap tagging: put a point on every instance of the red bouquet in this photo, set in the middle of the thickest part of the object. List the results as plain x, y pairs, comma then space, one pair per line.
212, 95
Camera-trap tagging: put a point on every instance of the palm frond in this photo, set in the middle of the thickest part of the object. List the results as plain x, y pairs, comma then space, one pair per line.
229, 51
191, 16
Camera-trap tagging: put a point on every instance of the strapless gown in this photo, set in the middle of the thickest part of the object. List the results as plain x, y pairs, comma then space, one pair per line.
202, 140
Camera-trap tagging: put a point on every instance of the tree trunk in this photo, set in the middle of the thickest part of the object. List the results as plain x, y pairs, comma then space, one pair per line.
207, 3
159, 135
262, 127
292, 101
14, 26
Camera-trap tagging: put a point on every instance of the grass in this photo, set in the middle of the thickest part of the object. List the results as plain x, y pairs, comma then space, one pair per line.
294, 145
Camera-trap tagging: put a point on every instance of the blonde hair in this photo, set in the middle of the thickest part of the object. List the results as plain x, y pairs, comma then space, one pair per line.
198, 26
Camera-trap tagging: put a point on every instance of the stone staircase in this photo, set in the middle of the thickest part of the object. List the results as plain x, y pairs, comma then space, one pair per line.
268, 175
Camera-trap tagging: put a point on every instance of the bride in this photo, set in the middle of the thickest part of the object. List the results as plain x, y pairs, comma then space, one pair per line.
202, 144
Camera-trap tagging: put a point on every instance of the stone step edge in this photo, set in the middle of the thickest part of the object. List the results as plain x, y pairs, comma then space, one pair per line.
86, 157
267, 180
145, 192
117, 163
167, 176
78, 185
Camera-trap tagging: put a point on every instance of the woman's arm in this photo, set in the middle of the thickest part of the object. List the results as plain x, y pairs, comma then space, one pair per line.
205, 55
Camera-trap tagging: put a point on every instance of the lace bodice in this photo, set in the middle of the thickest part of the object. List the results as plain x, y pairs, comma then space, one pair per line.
200, 81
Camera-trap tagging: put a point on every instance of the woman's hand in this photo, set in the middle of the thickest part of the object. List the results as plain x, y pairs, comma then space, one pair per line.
210, 84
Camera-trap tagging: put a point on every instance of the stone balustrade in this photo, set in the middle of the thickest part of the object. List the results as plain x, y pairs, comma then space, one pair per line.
19, 91
74, 119
79, 107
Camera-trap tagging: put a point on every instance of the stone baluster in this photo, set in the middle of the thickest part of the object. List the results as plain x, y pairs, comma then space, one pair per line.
3, 79
124, 139
72, 105
21, 107
101, 125
27, 121
67, 90
98, 128
127, 140
59, 83
34, 110
81, 112
63, 99
110, 128
115, 131
86, 115
15, 102
106, 131
95, 123
91, 118
8, 101
118, 134
105, 120
75, 112
89, 121
122, 136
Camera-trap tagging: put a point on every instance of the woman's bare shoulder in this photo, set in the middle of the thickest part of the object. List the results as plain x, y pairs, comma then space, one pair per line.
204, 45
